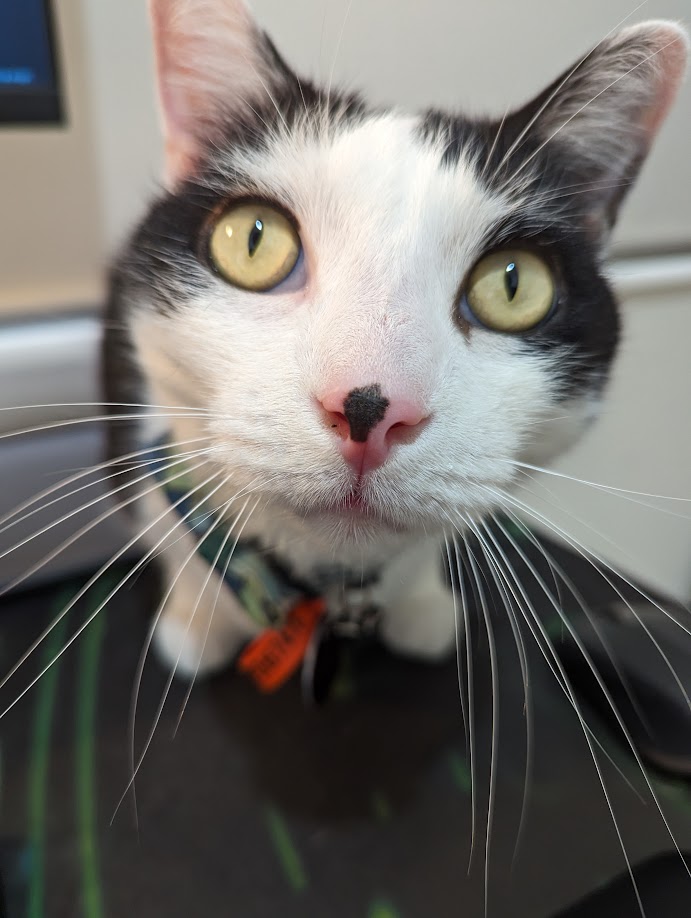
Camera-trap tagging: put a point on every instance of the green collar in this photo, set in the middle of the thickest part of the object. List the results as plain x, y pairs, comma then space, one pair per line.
265, 590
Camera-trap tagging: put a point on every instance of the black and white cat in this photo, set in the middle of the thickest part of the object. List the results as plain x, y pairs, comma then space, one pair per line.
363, 315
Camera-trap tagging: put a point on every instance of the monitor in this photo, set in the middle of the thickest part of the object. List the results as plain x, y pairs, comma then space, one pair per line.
29, 86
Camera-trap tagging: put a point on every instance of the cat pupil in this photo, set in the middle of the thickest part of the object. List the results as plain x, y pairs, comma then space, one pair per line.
255, 237
511, 280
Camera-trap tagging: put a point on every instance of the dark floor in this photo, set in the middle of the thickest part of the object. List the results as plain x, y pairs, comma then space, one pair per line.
263, 807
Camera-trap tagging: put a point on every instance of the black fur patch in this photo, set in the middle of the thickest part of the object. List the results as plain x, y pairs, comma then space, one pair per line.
559, 224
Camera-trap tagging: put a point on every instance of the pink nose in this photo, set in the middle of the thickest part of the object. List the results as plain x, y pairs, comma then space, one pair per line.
369, 424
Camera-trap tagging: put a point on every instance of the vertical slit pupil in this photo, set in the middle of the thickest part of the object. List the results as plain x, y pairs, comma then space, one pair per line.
511, 280
255, 237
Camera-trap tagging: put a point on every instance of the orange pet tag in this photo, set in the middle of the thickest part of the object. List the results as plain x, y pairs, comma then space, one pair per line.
272, 657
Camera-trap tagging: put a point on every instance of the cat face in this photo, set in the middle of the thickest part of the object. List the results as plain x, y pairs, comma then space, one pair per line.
379, 313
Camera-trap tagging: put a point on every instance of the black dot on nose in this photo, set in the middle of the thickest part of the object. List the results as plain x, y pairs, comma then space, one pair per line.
364, 408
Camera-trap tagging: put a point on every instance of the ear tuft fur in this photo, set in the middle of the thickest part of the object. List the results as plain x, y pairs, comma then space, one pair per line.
211, 61
607, 109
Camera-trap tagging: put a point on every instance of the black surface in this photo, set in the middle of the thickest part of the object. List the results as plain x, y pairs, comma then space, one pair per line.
662, 884
360, 808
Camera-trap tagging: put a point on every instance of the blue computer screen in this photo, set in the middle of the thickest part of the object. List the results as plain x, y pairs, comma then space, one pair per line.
29, 89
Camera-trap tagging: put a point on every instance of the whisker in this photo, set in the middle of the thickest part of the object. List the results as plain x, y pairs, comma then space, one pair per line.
593, 484
102, 605
139, 675
601, 684
215, 602
600, 561
533, 620
494, 670
459, 638
488, 158
21, 578
82, 473
472, 756
104, 405
268, 92
336, 53
180, 457
96, 419
95, 577
553, 662
526, 162
171, 677
523, 662
557, 570
596, 566
247, 489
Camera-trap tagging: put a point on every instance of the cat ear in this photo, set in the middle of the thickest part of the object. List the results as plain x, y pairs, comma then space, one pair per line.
212, 61
606, 110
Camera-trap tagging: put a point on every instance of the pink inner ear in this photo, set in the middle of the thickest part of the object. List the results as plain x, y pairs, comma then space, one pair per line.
179, 163
670, 62
206, 65
169, 52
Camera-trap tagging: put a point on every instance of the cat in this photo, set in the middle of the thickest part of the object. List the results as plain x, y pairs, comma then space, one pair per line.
351, 324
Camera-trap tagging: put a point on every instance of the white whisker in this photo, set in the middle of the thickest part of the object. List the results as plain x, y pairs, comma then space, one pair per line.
215, 602
171, 460
21, 578
459, 642
523, 662
533, 621
494, 670
171, 677
82, 473
102, 605
601, 684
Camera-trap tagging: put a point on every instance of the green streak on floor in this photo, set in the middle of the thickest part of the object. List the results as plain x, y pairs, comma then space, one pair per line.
382, 909
287, 853
40, 754
87, 694
460, 772
381, 807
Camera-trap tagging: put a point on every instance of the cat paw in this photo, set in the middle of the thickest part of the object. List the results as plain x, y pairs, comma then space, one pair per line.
423, 627
197, 645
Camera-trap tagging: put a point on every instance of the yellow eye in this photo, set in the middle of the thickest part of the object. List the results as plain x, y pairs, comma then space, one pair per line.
254, 246
510, 290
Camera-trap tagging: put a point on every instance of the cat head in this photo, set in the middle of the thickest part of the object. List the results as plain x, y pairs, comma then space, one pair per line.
380, 312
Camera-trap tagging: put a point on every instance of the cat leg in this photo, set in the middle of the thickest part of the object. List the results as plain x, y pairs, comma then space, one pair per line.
418, 610
201, 625
200, 635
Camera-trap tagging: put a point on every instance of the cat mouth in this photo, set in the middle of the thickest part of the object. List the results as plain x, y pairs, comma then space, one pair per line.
355, 501
353, 505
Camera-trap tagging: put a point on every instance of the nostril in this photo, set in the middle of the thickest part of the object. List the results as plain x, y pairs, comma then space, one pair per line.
334, 420
339, 424
405, 431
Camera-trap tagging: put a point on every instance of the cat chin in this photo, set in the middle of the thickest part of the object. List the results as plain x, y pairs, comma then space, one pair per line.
345, 526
